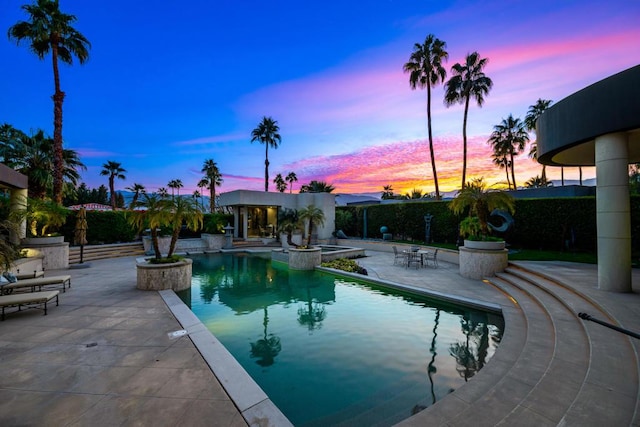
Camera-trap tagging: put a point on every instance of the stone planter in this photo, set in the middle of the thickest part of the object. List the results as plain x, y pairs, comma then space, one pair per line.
53, 250
304, 259
484, 245
478, 263
157, 277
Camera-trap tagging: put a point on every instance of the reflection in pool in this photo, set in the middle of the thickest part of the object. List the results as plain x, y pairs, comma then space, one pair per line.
330, 351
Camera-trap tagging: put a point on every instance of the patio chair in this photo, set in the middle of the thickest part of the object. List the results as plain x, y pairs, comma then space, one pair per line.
431, 259
399, 257
414, 258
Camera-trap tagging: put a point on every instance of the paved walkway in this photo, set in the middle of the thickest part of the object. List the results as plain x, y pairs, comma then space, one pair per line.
107, 356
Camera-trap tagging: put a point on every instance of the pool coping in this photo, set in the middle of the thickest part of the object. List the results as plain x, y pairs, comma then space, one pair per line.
253, 403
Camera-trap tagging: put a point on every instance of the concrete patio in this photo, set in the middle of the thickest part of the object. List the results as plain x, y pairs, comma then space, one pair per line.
107, 354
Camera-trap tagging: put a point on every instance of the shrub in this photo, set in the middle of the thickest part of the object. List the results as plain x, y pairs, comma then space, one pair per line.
345, 264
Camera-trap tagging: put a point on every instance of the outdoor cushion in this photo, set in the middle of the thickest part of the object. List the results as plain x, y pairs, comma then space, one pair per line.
65, 281
32, 300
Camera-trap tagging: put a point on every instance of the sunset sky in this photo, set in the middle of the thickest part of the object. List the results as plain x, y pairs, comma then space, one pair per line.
170, 84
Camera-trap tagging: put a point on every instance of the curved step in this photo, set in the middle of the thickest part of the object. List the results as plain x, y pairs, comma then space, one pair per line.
613, 377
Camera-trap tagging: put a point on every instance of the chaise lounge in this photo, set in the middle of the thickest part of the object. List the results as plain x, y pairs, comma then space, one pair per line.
30, 300
38, 283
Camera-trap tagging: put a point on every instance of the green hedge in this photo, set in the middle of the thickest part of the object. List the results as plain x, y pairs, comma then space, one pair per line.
550, 224
112, 227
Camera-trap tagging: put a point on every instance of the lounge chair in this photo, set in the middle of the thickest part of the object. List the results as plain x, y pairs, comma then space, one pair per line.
38, 283
33, 275
31, 300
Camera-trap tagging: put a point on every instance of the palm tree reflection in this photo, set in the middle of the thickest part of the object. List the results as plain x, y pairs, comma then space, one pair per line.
471, 355
312, 314
267, 348
431, 369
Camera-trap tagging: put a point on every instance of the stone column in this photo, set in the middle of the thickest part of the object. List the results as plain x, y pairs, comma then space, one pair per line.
18, 203
613, 213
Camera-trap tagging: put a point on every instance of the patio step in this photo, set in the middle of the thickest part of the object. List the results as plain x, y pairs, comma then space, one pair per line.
96, 252
556, 370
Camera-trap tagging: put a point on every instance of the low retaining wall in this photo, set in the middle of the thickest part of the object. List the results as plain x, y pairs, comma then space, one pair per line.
55, 256
207, 242
478, 264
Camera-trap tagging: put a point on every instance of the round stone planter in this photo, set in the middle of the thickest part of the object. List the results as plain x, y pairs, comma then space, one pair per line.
484, 245
478, 263
157, 277
304, 259
53, 250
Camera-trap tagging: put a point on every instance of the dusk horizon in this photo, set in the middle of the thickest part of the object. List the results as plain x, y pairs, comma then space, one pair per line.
178, 84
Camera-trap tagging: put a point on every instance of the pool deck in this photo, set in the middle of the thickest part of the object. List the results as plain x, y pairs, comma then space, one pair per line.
109, 354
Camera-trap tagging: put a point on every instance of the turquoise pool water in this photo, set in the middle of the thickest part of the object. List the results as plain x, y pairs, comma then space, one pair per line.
330, 351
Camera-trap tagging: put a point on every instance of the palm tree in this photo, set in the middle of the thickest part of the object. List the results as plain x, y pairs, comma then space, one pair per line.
426, 70
317, 187
288, 222
153, 216
509, 138
196, 195
182, 210
267, 133
214, 179
414, 194
50, 30
314, 215
291, 178
136, 189
203, 183
537, 182
280, 183
468, 81
163, 193
481, 202
113, 170
32, 156
175, 184
530, 121
387, 192
502, 161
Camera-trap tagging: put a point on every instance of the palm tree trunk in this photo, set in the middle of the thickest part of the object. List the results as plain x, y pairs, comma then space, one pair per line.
266, 167
174, 240
113, 193
464, 143
154, 241
562, 175
58, 98
513, 173
544, 174
433, 159
506, 169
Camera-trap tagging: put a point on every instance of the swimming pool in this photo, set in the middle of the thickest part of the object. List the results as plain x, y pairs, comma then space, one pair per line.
330, 351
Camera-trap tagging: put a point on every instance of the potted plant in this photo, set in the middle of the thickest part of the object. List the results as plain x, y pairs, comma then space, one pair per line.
170, 271
288, 225
479, 201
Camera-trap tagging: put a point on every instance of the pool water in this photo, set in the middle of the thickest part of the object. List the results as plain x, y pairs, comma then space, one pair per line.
328, 350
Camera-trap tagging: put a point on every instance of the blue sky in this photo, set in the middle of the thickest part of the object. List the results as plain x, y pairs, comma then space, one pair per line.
171, 84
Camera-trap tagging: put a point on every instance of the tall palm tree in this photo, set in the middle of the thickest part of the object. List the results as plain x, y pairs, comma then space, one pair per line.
196, 195
314, 216
467, 81
501, 160
267, 133
280, 183
214, 179
509, 138
50, 30
163, 193
136, 189
530, 121
203, 183
426, 71
113, 170
291, 178
175, 184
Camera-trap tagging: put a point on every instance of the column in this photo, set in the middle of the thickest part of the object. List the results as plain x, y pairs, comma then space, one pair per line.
613, 213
